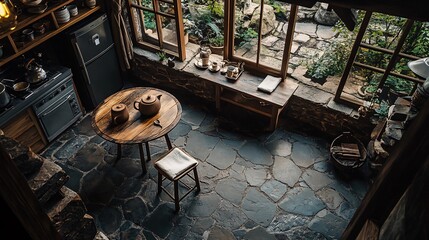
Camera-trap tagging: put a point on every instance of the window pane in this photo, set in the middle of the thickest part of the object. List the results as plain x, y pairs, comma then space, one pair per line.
204, 21
147, 3
273, 39
169, 33
166, 8
246, 31
150, 29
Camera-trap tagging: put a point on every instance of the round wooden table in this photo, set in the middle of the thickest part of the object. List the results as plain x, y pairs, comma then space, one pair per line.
138, 129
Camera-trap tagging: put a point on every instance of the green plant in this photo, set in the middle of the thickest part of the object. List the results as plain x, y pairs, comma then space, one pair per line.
216, 41
245, 35
215, 7
331, 63
279, 11
162, 56
382, 110
149, 17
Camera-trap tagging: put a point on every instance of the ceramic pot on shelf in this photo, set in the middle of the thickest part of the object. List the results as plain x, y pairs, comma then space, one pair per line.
90, 3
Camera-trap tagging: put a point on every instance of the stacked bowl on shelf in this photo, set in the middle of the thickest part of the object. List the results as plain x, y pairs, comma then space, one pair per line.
62, 15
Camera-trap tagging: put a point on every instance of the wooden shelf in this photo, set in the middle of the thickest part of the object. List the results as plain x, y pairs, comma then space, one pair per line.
26, 20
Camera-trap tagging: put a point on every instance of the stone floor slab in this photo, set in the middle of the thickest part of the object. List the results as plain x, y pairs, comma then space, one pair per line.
159, 221
229, 216
231, 190
301, 201
204, 205
200, 145
274, 189
331, 198
304, 155
316, 180
222, 156
258, 208
257, 234
280, 148
255, 153
256, 177
283, 223
328, 224
217, 233
285, 170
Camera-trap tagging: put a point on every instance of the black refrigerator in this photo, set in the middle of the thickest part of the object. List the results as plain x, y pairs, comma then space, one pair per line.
94, 61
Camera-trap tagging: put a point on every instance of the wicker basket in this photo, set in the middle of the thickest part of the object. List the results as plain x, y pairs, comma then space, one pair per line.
347, 165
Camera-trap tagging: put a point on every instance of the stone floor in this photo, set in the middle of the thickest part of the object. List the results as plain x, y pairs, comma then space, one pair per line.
277, 185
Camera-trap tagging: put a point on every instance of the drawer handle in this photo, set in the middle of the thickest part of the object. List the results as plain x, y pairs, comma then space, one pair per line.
45, 114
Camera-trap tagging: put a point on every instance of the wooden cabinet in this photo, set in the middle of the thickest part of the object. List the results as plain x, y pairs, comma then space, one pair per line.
12, 41
25, 129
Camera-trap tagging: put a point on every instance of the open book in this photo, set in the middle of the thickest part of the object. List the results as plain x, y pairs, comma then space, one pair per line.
269, 84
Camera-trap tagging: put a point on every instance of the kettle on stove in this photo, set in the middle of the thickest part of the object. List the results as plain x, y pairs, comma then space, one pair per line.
35, 72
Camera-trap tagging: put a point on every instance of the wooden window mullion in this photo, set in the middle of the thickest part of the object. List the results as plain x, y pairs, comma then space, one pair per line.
258, 50
133, 25
180, 29
158, 22
289, 39
352, 56
406, 29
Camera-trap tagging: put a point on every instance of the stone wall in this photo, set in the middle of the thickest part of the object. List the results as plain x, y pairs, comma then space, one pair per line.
308, 106
45, 179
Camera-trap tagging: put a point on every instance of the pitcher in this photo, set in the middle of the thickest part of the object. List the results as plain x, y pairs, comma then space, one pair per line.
205, 55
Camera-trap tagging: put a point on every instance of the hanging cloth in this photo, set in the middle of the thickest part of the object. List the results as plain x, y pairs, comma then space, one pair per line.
124, 45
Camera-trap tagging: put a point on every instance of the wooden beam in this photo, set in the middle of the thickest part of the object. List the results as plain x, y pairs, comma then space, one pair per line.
347, 15
412, 9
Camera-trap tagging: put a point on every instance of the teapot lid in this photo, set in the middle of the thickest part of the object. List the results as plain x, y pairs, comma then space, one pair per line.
148, 99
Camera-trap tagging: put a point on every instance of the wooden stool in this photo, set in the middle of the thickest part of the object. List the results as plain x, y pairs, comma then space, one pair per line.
173, 166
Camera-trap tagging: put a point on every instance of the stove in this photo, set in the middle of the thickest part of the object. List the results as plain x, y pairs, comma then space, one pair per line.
46, 99
13, 77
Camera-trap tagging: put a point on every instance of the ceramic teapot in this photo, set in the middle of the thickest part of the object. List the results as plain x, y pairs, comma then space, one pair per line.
148, 105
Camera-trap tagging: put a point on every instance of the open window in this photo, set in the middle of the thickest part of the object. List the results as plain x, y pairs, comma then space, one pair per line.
248, 41
158, 25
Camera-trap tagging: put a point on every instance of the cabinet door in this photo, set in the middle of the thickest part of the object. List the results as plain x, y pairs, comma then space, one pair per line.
25, 129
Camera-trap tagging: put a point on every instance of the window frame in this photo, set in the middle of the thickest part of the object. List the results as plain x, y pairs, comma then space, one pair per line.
137, 24
256, 66
396, 55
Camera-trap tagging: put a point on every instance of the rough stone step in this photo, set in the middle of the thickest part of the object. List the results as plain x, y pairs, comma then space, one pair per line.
27, 161
85, 230
66, 211
101, 236
47, 181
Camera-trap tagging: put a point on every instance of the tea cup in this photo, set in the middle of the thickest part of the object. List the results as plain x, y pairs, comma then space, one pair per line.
28, 34
119, 113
